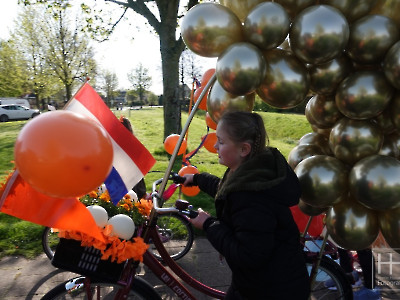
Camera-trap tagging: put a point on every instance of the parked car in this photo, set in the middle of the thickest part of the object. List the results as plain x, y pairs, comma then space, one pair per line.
16, 112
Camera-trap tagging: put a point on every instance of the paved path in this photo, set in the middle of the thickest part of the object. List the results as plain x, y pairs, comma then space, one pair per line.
22, 278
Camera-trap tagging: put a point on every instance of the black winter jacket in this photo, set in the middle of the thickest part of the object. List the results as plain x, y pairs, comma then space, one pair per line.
254, 229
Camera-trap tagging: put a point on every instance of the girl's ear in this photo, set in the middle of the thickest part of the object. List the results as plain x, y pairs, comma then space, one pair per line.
246, 149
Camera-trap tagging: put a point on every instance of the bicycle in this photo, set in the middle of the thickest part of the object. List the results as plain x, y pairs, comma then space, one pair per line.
176, 233
128, 285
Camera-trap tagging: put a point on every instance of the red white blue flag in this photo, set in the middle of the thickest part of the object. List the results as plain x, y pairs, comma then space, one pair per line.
131, 159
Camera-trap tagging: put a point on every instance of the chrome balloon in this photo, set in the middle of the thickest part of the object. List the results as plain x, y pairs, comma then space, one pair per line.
325, 78
209, 28
301, 152
267, 25
293, 7
389, 147
363, 95
371, 37
384, 120
320, 140
374, 182
287, 81
323, 180
311, 210
394, 108
220, 101
241, 68
353, 10
388, 8
241, 8
324, 110
352, 140
391, 65
319, 34
389, 223
352, 225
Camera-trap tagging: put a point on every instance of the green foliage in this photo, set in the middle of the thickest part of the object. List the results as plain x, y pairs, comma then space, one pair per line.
284, 131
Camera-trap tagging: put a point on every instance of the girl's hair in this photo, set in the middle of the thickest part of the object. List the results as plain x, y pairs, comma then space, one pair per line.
246, 127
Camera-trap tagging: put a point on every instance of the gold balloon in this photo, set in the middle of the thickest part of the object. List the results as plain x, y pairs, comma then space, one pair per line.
241, 68
389, 147
311, 210
323, 131
391, 65
301, 152
389, 223
394, 108
293, 7
319, 34
384, 120
287, 81
241, 7
352, 225
325, 78
352, 140
309, 115
320, 140
371, 37
324, 110
209, 28
363, 95
388, 8
323, 180
374, 182
267, 25
353, 10
220, 101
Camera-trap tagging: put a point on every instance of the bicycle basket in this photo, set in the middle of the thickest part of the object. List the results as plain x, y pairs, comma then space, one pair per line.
71, 256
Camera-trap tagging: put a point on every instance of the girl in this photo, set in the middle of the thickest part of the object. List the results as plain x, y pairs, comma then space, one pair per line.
254, 229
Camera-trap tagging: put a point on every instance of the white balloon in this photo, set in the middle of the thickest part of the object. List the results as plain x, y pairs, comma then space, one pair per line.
133, 195
123, 226
99, 214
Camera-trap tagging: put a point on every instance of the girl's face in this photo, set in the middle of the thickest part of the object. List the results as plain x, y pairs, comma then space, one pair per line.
230, 154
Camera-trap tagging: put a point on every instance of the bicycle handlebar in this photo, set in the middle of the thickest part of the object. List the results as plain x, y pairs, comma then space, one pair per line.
181, 206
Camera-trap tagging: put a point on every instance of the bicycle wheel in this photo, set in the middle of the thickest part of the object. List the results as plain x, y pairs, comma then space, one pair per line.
50, 240
176, 233
75, 289
329, 271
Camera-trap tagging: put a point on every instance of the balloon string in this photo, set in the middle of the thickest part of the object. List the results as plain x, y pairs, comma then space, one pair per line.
188, 156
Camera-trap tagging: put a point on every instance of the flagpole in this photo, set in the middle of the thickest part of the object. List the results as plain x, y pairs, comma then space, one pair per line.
182, 135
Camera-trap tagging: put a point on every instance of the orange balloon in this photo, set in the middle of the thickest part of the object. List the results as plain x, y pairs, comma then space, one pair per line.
196, 95
189, 190
170, 144
210, 141
63, 154
210, 122
207, 76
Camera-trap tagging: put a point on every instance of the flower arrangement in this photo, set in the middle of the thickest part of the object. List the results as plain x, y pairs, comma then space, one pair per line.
115, 248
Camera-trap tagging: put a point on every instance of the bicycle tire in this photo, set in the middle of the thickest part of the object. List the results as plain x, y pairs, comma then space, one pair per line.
74, 289
329, 269
177, 235
50, 240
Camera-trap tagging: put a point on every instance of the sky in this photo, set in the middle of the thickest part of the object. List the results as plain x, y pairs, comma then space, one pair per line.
129, 45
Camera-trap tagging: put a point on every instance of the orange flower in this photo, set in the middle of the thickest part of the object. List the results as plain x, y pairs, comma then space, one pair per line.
93, 194
105, 197
144, 206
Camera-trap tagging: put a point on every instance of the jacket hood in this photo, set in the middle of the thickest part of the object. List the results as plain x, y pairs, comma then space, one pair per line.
266, 171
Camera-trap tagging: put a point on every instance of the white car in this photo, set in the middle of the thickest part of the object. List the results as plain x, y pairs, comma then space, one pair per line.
16, 112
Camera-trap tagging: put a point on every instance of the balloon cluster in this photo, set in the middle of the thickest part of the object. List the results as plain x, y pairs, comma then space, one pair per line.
341, 56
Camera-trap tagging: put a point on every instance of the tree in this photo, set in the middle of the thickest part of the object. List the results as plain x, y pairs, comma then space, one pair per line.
140, 80
68, 51
13, 79
109, 84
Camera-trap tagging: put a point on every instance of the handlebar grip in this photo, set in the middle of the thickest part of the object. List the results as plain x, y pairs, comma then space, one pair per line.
193, 214
177, 178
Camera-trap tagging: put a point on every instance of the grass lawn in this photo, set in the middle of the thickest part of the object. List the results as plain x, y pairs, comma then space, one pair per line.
18, 237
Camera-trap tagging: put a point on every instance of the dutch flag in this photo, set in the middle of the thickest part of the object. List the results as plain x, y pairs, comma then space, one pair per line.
131, 159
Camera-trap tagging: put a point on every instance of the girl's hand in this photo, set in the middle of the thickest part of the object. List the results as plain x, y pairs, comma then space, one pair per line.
199, 220
188, 179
